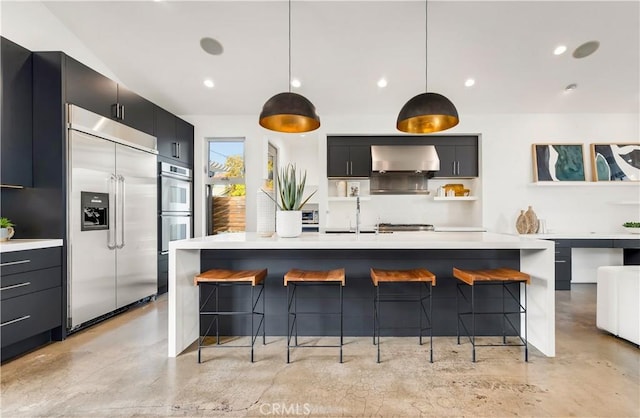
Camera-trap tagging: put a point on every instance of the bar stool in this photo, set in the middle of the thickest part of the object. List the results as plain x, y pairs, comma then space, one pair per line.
214, 279
296, 278
423, 278
496, 277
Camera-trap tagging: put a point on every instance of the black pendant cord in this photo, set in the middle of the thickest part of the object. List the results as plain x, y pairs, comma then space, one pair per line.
426, 58
289, 80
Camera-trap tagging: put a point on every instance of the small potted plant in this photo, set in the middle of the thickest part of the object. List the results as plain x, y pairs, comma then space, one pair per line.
6, 229
289, 201
633, 227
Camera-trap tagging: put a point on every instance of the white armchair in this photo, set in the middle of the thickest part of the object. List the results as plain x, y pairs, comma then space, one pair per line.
618, 301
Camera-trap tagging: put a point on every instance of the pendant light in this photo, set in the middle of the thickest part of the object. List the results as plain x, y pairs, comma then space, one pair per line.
427, 112
289, 112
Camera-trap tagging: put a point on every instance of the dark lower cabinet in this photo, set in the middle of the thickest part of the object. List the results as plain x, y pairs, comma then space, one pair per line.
31, 306
563, 268
17, 115
163, 273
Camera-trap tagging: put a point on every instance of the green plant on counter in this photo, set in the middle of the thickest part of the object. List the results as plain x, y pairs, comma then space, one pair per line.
631, 224
5, 223
290, 189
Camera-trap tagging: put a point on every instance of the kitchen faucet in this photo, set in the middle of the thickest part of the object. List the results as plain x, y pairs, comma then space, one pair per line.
357, 215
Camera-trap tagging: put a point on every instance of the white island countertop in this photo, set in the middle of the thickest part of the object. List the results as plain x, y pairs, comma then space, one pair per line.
28, 244
399, 240
585, 235
536, 258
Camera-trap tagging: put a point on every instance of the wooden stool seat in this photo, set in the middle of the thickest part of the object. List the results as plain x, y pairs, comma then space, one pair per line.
306, 278
501, 274
220, 275
422, 277
413, 275
297, 275
209, 284
505, 278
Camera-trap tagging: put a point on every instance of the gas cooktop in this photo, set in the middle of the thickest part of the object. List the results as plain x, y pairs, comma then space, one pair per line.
405, 227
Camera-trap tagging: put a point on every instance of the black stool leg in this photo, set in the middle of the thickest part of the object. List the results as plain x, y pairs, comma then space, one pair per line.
378, 318
504, 316
420, 311
199, 310
526, 340
264, 313
217, 288
252, 326
458, 313
374, 315
473, 323
341, 322
430, 322
288, 322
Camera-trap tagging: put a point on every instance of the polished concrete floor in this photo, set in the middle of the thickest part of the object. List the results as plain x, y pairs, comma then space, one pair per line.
120, 368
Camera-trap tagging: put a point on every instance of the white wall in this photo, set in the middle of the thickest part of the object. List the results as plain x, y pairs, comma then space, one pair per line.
31, 25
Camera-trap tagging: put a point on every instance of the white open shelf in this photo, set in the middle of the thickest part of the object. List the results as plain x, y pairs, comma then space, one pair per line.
459, 198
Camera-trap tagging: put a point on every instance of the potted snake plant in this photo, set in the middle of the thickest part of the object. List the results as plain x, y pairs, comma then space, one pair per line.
290, 200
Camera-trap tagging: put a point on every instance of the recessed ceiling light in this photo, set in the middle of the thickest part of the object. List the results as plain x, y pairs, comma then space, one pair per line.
560, 49
211, 46
571, 87
586, 49
209, 83
469, 82
382, 83
295, 83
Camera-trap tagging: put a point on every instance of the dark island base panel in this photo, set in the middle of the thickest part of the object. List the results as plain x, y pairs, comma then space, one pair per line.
359, 291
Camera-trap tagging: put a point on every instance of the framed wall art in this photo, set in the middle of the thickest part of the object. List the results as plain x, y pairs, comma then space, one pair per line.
615, 162
558, 162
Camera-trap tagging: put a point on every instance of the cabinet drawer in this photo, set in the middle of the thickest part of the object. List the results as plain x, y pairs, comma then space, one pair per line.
591, 243
562, 242
563, 252
33, 281
28, 315
29, 260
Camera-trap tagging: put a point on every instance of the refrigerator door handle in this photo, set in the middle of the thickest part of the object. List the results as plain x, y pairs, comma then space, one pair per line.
120, 218
113, 191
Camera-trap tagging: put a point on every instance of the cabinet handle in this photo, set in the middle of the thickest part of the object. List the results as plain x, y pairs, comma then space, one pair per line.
561, 261
164, 252
351, 167
13, 263
13, 286
115, 110
175, 151
13, 321
122, 112
179, 153
453, 168
347, 168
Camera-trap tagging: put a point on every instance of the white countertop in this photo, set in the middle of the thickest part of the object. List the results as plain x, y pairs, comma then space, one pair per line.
585, 235
28, 244
396, 240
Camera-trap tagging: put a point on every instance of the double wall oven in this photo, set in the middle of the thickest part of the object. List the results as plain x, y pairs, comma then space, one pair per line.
176, 212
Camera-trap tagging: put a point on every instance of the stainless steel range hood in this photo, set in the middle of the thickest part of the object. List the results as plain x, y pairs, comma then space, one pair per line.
404, 158
402, 169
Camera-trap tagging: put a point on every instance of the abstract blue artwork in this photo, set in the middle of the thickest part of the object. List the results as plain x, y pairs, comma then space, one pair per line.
558, 162
615, 162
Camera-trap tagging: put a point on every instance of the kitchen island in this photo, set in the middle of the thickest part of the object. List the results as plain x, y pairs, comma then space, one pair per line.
437, 251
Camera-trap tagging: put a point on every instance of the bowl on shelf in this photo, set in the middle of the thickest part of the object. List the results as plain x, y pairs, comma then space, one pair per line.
633, 230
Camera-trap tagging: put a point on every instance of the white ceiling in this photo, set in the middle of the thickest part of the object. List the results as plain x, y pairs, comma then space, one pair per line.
341, 48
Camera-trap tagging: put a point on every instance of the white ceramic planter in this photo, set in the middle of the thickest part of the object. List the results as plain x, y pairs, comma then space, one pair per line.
288, 223
7, 233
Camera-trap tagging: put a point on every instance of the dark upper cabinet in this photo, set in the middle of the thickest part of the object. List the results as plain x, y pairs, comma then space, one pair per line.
457, 160
136, 111
175, 138
92, 91
348, 160
16, 132
89, 89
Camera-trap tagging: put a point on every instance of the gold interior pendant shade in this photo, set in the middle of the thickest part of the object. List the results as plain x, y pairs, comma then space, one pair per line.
427, 112
289, 112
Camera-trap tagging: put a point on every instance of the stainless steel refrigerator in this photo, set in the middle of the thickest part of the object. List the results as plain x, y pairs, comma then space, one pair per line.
112, 207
